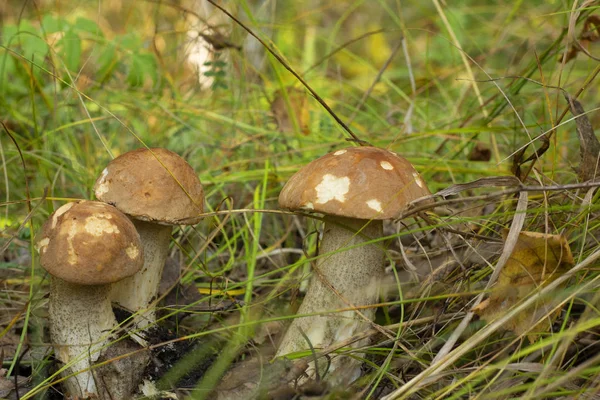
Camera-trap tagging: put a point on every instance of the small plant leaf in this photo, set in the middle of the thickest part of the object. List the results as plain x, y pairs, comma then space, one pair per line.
131, 42
298, 116
107, 61
51, 24
33, 47
142, 66
536, 260
89, 26
71, 50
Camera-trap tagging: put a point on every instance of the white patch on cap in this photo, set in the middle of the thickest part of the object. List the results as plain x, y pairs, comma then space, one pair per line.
102, 186
386, 165
42, 245
332, 188
418, 179
308, 206
340, 152
132, 251
63, 209
375, 205
98, 226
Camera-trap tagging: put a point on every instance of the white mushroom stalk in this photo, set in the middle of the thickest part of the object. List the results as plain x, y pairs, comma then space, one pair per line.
85, 247
78, 334
157, 189
137, 292
355, 274
355, 188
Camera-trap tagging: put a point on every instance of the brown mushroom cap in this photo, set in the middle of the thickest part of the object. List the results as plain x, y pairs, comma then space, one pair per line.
89, 243
356, 182
140, 186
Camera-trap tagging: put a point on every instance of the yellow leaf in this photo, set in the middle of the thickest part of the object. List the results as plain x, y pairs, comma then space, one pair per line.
536, 260
300, 112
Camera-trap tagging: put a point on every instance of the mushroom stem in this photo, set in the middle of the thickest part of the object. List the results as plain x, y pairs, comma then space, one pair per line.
139, 290
355, 274
81, 321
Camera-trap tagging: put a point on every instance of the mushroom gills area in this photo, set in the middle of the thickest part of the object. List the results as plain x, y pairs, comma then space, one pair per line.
356, 275
138, 291
79, 345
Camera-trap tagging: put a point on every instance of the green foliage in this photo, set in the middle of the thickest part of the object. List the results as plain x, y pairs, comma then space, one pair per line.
58, 47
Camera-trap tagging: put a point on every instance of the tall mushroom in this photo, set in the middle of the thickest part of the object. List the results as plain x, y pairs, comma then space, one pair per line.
355, 188
157, 189
86, 247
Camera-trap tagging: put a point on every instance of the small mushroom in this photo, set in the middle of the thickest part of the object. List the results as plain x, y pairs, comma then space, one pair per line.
86, 247
157, 189
355, 188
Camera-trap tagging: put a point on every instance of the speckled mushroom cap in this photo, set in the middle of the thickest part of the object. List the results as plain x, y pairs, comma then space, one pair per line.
140, 186
89, 243
356, 182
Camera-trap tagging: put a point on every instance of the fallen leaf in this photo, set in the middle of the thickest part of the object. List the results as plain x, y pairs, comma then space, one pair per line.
536, 260
11, 388
299, 110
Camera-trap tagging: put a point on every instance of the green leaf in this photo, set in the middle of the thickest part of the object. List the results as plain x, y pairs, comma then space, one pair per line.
135, 77
52, 24
8, 34
89, 26
7, 63
71, 50
142, 66
131, 42
106, 62
33, 47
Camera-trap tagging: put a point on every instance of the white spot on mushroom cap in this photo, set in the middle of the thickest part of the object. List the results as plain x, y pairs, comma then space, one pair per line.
42, 245
375, 205
339, 152
386, 165
102, 187
418, 179
61, 210
104, 215
308, 206
332, 188
97, 226
132, 251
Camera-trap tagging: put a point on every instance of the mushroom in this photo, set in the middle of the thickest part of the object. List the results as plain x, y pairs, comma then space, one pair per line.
355, 189
86, 247
157, 189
